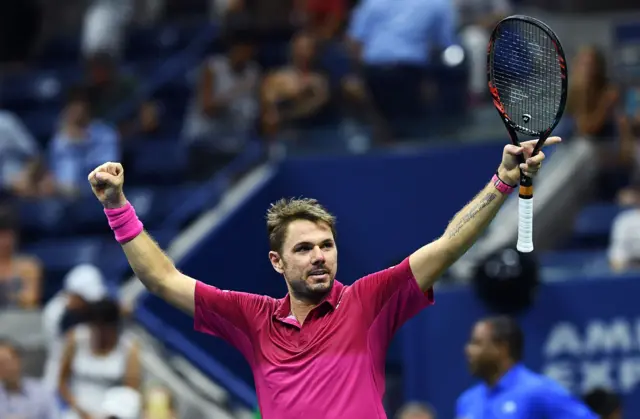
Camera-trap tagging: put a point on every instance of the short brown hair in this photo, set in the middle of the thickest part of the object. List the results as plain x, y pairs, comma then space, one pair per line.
286, 210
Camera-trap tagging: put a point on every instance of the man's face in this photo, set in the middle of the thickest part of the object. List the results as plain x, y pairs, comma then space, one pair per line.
483, 354
308, 260
7, 241
10, 366
77, 113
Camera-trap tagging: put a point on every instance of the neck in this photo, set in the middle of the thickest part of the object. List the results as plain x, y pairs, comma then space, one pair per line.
13, 385
502, 369
300, 308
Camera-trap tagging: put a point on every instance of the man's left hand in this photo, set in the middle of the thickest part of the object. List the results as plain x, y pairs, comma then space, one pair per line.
509, 170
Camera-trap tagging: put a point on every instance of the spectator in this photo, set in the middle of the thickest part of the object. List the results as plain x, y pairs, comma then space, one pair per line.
393, 42
22, 397
295, 96
591, 105
624, 245
109, 89
83, 286
604, 403
416, 411
21, 169
591, 98
81, 144
122, 403
104, 27
629, 127
20, 276
97, 357
477, 20
224, 108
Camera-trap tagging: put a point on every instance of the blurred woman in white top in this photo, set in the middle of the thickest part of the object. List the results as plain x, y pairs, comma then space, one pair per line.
97, 356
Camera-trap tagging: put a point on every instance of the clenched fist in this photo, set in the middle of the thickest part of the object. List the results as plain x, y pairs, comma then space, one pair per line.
106, 182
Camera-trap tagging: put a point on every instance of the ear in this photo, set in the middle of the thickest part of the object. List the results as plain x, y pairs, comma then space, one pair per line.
276, 262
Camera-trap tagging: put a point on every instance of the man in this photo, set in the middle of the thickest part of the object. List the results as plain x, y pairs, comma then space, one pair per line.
394, 41
21, 398
508, 388
605, 403
319, 352
80, 142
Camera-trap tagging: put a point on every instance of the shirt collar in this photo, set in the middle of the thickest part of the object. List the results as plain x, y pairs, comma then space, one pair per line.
510, 378
283, 309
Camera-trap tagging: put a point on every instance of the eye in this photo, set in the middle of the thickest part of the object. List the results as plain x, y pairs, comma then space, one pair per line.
327, 245
303, 248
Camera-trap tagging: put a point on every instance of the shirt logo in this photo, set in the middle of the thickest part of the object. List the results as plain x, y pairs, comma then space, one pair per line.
509, 407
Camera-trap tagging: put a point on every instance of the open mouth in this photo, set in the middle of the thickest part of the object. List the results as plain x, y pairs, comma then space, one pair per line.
318, 273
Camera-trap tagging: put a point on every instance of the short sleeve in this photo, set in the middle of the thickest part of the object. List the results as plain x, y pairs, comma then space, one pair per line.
393, 293
230, 315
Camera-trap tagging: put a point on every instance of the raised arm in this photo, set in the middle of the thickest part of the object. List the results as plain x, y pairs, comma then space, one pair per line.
151, 265
429, 262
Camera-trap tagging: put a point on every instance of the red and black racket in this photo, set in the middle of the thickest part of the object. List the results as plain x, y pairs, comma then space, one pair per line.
527, 74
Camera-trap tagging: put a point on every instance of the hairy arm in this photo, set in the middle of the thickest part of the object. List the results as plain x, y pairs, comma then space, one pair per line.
432, 260
158, 273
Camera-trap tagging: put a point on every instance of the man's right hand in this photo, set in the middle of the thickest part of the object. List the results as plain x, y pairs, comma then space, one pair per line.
106, 182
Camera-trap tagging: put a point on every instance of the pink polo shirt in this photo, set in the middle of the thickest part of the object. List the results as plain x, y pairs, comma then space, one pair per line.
333, 366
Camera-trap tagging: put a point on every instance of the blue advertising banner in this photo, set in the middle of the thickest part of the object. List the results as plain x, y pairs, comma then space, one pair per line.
583, 333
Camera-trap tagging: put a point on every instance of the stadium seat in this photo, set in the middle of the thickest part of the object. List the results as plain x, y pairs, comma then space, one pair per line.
149, 158
574, 259
592, 226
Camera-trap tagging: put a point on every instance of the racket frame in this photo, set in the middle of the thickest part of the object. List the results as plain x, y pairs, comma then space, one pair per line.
526, 183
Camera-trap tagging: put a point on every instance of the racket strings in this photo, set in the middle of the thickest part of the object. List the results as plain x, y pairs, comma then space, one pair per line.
526, 73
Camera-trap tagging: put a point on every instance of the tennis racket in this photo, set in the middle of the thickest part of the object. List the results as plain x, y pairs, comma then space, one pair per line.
527, 74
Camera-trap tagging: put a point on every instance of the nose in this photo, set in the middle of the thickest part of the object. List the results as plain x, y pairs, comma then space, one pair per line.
317, 256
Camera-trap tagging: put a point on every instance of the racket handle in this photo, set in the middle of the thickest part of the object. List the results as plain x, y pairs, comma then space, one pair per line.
525, 225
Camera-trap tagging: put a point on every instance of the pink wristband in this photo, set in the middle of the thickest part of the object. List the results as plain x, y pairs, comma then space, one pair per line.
501, 186
124, 222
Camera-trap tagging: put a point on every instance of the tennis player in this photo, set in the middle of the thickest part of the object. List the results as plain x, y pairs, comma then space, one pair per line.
508, 389
319, 352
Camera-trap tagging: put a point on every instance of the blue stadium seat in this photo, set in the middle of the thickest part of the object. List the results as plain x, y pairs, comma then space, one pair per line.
43, 217
157, 41
161, 161
574, 259
62, 254
592, 226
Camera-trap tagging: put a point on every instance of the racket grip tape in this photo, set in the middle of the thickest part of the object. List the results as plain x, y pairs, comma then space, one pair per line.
525, 225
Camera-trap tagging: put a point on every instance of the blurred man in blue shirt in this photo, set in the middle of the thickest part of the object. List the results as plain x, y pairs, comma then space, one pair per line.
80, 144
508, 389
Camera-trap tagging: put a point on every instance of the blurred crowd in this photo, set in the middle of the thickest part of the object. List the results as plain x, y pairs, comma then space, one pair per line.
319, 73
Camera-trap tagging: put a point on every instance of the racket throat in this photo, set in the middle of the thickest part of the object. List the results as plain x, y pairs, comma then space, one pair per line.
526, 187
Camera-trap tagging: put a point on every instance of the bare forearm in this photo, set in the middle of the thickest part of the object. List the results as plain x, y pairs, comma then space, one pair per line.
149, 262
472, 220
